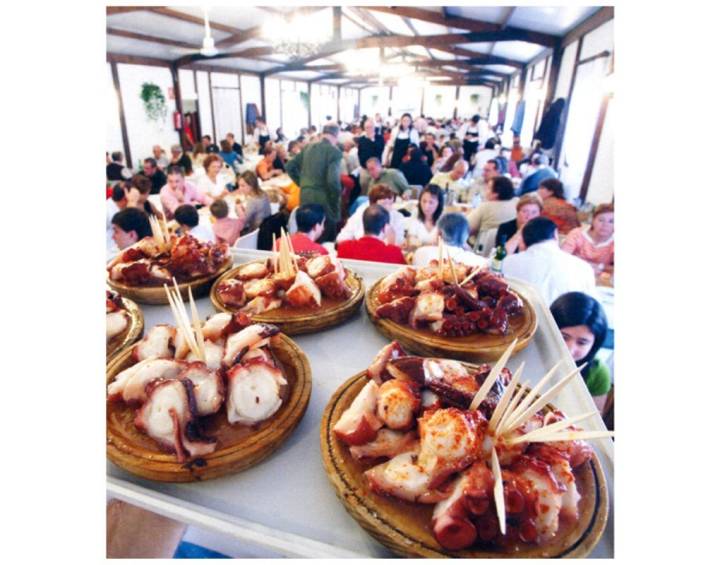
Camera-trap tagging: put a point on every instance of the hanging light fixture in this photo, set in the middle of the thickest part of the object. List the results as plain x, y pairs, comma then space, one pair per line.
296, 36
208, 48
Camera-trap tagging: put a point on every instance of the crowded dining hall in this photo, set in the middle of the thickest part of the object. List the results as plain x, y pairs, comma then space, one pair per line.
336, 235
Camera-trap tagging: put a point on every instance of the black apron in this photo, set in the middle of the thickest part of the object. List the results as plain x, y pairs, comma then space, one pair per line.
399, 150
470, 144
262, 140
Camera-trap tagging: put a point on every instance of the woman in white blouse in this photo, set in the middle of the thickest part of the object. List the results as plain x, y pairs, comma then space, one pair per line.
214, 182
422, 230
402, 136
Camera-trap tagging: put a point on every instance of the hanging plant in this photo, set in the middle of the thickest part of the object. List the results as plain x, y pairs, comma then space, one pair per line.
305, 99
475, 99
154, 101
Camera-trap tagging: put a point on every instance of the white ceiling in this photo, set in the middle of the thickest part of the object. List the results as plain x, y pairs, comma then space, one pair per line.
552, 20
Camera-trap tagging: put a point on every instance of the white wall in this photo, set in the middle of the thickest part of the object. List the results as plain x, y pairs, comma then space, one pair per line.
348, 100
466, 107
375, 99
406, 99
250, 86
294, 111
142, 133
439, 101
204, 108
598, 40
323, 103
566, 70
226, 104
272, 99
113, 133
602, 181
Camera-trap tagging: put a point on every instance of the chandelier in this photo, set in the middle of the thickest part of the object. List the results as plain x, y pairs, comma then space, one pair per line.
296, 36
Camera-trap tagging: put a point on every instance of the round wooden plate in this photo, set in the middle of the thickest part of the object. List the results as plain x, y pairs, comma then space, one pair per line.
131, 334
474, 348
156, 294
296, 321
405, 528
239, 447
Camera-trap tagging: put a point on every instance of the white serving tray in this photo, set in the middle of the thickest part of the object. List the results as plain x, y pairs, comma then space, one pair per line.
286, 505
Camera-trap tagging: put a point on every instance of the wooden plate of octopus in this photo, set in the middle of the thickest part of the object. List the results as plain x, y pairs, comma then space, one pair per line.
124, 323
473, 321
140, 271
181, 420
320, 293
380, 480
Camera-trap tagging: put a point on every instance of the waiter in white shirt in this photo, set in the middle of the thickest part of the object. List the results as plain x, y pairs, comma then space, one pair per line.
551, 270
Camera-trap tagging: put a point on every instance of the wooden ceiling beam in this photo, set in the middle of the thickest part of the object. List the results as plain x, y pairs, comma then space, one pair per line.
466, 23
442, 40
136, 60
170, 13
150, 38
112, 10
248, 53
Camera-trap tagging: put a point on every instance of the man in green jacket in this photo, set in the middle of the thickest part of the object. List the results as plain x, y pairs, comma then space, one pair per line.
316, 170
391, 177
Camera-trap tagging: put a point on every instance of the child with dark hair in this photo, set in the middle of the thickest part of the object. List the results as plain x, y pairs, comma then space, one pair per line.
189, 220
227, 229
130, 225
310, 220
583, 325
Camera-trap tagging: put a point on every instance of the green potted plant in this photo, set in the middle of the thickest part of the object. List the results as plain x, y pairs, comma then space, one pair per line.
154, 101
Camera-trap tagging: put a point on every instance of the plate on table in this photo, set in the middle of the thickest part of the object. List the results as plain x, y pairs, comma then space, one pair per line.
132, 332
156, 294
238, 446
300, 320
406, 528
476, 347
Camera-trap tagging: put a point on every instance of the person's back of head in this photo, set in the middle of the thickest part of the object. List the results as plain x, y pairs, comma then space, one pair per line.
490, 144
538, 230
225, 146
331, 129
539, 159
118, 193
117, 156
555, 186
142, 183
380, 191
308, 216
454, 229
503, 187
375, 218
219, 209
186, 215
133, 219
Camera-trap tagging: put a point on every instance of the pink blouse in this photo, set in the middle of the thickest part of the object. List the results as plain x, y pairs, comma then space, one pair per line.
579, 243
228, 230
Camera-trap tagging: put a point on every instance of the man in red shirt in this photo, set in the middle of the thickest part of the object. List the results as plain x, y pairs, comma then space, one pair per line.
372, 247
310, 219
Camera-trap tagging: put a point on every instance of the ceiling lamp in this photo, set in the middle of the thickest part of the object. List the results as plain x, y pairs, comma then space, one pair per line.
208, 48
296, 36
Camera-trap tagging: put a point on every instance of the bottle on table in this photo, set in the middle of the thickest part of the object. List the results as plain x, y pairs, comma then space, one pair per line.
500, 254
